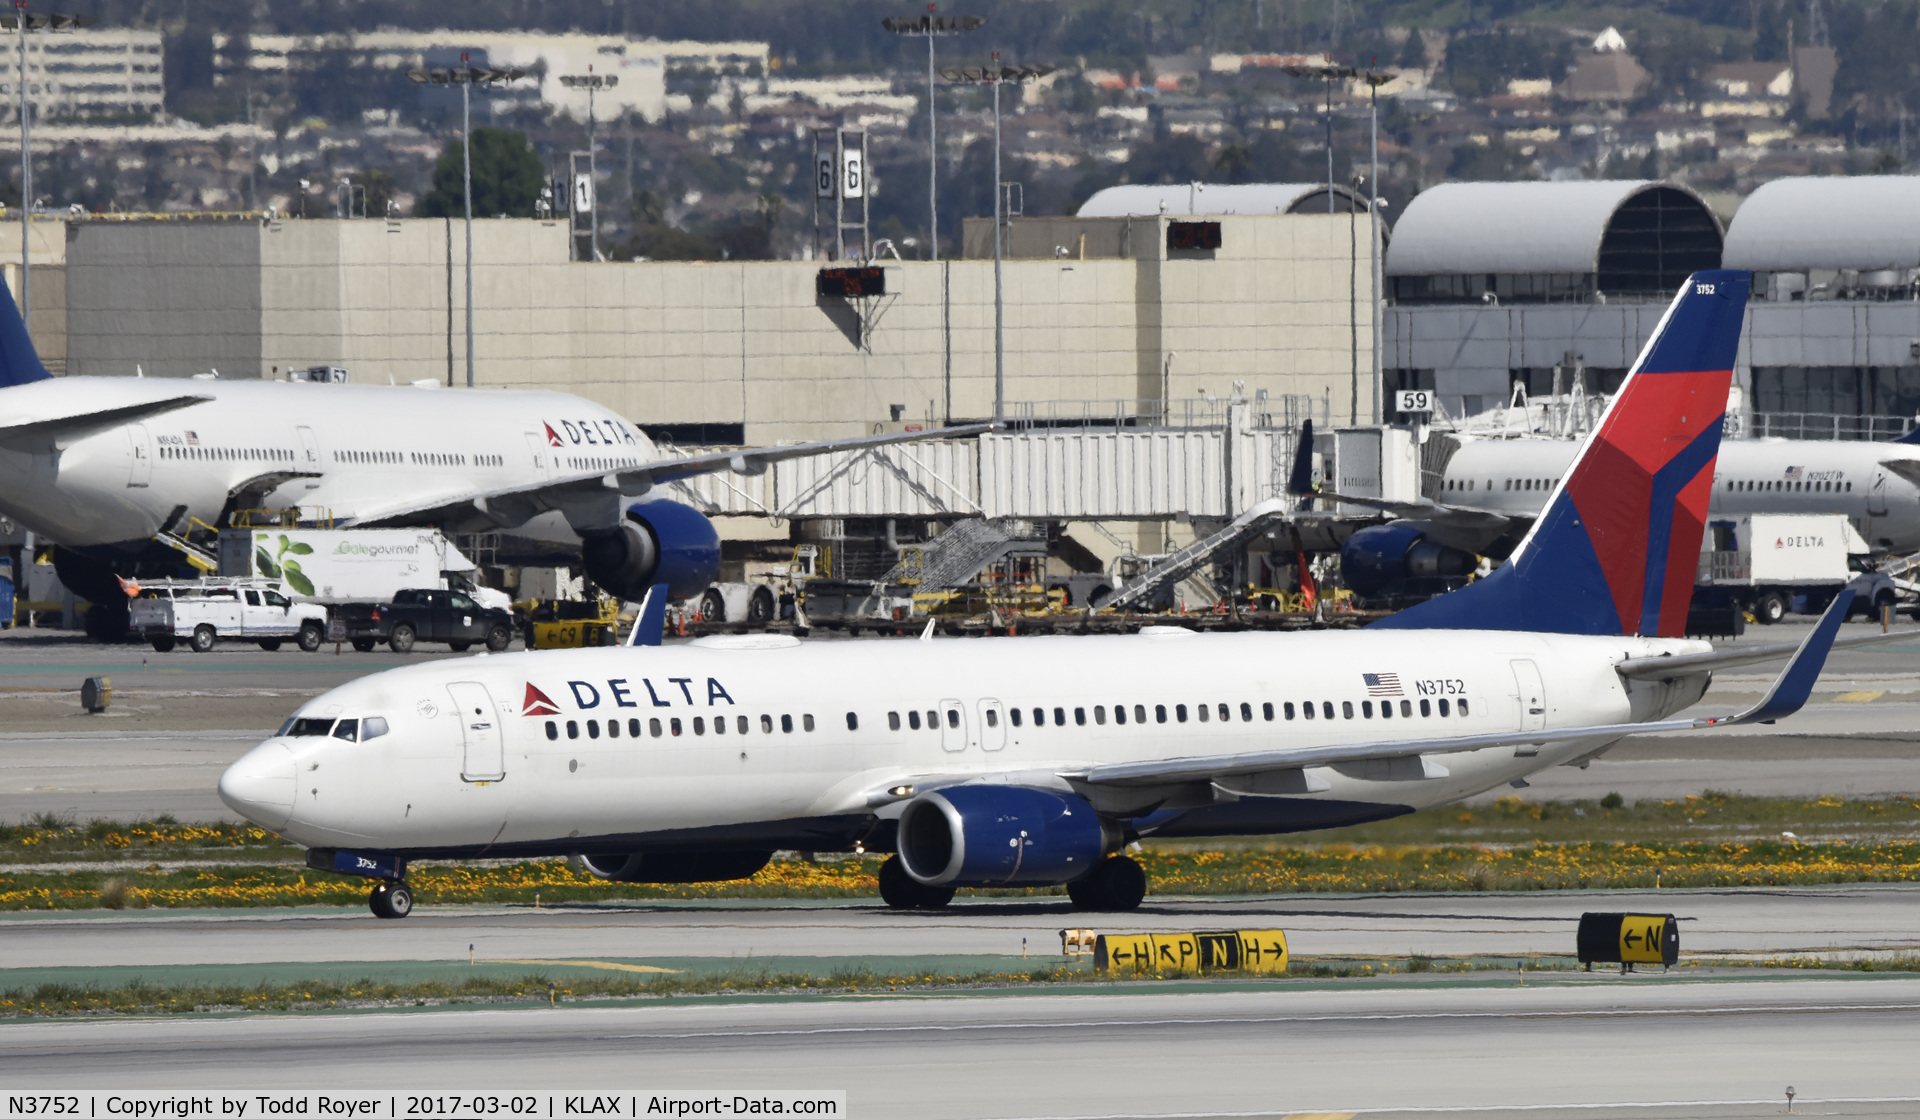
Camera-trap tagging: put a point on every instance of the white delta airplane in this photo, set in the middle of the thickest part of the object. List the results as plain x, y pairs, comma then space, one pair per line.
1491, 491
1034, 761
116, 470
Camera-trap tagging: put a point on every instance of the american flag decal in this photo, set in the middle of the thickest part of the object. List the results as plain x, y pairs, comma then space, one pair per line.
1382, 684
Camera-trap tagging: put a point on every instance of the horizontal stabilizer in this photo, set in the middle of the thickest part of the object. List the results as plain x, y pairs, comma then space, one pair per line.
33, 435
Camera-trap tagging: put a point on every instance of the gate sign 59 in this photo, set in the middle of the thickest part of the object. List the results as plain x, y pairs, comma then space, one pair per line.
1414, 400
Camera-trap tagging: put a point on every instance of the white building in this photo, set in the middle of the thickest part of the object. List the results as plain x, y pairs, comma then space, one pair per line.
90, 74
641, 65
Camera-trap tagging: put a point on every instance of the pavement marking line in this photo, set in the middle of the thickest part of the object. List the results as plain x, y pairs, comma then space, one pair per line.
613, 966
1858, 697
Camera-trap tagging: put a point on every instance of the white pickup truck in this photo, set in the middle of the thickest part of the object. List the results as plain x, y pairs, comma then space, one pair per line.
202, 612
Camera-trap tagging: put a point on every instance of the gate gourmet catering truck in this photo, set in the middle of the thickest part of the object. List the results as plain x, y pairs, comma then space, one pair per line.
336, 566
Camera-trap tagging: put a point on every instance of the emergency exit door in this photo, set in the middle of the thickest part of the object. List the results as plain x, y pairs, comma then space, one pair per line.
140, 467
485, 759
1531, 696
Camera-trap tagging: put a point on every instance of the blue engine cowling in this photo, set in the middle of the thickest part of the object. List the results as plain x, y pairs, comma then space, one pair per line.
995, 836
1382, 557
659, 541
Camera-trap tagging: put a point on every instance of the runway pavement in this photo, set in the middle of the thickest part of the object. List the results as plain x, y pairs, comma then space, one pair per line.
1591, 1047
1745, 923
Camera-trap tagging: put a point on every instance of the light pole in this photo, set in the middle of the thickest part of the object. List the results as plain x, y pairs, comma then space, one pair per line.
996, 76
931, 27
1330, 72
592, 83
1375, 80
23, 21
465, 76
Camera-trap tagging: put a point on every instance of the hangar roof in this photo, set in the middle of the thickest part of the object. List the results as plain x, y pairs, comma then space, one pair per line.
1637, 235
1863, 222
1148, 200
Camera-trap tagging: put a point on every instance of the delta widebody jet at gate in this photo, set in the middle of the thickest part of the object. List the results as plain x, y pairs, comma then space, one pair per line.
1035, 760
115, 470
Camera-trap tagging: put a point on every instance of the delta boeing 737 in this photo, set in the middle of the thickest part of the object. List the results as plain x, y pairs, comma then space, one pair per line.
1034, 761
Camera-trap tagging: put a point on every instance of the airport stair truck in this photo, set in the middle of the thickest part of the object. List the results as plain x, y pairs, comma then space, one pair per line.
1767, 564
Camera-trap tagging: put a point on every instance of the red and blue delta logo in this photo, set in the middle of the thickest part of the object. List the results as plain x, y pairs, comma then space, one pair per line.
584, 433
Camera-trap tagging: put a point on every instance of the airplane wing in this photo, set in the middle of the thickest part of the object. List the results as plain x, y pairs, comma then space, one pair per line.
515, 505
1788, 694
1688, 664
1906, 469
27, 435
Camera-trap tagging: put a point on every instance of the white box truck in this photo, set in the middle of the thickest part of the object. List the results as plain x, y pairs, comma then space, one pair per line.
1763, 562
336, 566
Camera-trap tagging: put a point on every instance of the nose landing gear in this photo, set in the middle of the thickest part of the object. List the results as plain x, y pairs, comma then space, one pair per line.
390, 900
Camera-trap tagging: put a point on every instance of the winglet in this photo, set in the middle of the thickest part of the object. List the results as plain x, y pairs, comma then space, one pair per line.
651, 625
1910, 437
1300, 482
1795, 683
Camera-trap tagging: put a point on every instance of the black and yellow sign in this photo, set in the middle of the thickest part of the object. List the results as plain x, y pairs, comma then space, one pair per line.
1628, 939
1247, 950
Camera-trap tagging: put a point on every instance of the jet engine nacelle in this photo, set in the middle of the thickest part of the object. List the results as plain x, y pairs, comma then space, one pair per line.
674, 867
1380, 556
659, 541
994, 836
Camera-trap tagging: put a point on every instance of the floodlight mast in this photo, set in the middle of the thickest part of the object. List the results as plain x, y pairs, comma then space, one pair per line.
996, 76
464, 77
21, 22
931, 27
592, 83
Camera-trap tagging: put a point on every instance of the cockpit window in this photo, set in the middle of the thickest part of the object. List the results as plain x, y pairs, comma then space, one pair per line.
348, 729
372, 727
300, 728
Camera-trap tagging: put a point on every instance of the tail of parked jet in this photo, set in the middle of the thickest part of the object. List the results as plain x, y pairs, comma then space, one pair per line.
19, 363
1616, 548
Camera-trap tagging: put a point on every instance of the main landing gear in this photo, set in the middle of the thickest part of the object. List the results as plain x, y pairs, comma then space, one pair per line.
390, 899
1114, 884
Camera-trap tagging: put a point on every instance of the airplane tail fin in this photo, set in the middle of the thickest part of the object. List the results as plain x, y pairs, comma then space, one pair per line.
1616, 547
19, 362
1910, 437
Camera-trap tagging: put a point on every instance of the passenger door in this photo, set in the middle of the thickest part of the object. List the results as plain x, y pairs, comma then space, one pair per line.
485, 759
542, 455
1531, 696
953, 725
309, 453
140, 467
993, 725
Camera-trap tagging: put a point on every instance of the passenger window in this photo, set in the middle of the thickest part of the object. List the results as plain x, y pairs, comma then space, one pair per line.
1100, 714
953, 717
593, 729
633, 728
573, 730
1426, 708
1159, 713
1246, 712
1039, 717
1288, 707
1386, 709
1366, 708
1080, 717
613, 729
766, 725
719, 725
740, 724
993, 718
806, 722
1306, 709
253, 598
1059, 717
1014, 715
348, 729
275, 599
699, 725
933, 721
1443, 707
1180, 713
1406, 709
1119, 713
1225, 714
1140, 714
786, 724
893, 721
673, 725
1463, 707
1201, 711
375, 726
1326, 708
913, 720
1346, 709
653, 728
1266, 710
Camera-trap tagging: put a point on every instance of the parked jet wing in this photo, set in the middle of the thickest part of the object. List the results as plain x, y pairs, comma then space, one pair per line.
518, 504
1788, 694
34, 434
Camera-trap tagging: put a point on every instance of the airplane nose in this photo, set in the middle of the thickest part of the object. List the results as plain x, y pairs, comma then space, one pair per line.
260, 786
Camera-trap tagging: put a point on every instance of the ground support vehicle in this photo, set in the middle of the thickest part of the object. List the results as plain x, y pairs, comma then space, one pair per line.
1767, 565
203, 611
426, 615
573, 623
